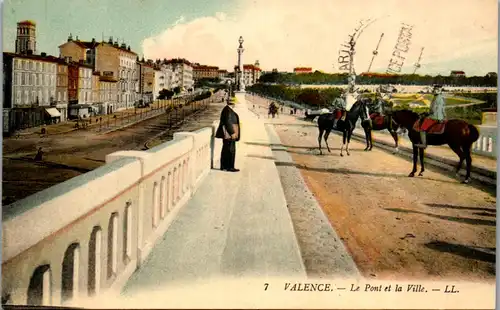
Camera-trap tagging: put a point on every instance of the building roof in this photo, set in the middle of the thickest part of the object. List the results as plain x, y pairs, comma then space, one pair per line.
302, 69
47, 58
204, 67
178, 61
27, 22
93, 44
251, 67
457, 72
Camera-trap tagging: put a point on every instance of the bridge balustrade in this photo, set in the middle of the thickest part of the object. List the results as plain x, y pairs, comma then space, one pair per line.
88, 235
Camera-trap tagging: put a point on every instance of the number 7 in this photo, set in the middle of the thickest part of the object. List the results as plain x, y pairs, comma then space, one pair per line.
266, 285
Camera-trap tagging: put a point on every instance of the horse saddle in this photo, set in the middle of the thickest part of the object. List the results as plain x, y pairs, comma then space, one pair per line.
377, 118
430, 126
337, 114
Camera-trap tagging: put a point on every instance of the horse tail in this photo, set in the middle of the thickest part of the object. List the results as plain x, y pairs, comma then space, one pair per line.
473, 133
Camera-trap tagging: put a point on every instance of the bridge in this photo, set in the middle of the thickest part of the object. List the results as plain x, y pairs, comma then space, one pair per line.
167, 217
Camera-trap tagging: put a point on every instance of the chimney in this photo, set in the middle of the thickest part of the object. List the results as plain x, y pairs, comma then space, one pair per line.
93, 40
128, 48
30, 52
110, 41
124, 46
70, 37
43, 54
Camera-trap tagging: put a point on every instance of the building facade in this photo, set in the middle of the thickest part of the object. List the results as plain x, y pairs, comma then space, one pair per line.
112, 60
182, 74
108, 93
84, 84
205, 72
251, 73
159, 81
223, 74
62, 83
26, 37
146, 81
31, 80
73, 73
95, 87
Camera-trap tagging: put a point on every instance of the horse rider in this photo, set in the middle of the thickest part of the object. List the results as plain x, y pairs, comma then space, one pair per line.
378, 105
340, 104
437, 112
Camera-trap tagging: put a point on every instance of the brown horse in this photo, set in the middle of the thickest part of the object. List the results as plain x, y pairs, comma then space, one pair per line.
458, 134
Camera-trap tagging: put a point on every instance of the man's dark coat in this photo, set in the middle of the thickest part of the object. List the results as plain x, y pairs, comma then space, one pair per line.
228, 118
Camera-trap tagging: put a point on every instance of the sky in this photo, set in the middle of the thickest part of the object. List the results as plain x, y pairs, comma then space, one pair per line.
281, 34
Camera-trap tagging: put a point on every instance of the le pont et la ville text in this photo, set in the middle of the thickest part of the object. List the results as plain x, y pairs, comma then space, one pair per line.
328, 287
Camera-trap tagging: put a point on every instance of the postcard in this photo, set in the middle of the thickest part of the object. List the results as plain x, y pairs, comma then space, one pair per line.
164, 154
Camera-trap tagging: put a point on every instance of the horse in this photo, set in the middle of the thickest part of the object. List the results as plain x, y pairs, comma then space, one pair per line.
458, 134
380, 122
309, 117
325, 125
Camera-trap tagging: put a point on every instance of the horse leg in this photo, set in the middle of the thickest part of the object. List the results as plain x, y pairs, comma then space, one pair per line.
371, 140
367, 138
468, 160
327, 133
415, 159
343, 143
319, 140
349, 133
394, 135
421, 155
461, 157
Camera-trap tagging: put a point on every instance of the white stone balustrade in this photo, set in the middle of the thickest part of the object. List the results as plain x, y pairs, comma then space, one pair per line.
89, 234
487, 143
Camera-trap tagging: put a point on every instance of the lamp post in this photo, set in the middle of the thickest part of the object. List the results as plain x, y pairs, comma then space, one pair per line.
240, 84
229, 91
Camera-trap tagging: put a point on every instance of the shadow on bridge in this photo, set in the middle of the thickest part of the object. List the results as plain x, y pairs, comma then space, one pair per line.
447, 206
478, 253
276, 147
465, 220
348, 171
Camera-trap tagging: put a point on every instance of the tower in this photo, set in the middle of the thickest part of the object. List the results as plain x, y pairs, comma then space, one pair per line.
26, 37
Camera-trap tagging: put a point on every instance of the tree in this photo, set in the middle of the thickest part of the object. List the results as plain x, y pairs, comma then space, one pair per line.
177, 90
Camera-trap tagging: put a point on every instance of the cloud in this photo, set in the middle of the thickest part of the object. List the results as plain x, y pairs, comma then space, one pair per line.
284, 34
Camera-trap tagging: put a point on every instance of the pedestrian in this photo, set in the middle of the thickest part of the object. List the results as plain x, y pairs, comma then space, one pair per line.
229, 132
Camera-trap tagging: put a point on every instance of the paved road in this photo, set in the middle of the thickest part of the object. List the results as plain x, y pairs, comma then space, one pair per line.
395, 227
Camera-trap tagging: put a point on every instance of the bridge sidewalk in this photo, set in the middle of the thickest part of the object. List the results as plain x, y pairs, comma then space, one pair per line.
235, 225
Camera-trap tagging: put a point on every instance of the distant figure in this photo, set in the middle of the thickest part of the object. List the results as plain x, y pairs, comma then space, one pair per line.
229, 132
39, 154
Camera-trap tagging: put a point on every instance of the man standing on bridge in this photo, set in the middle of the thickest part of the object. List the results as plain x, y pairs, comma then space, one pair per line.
229, 132
437, 113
